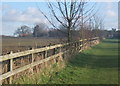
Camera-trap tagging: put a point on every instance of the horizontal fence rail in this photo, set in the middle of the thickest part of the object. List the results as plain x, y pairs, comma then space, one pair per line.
10, 57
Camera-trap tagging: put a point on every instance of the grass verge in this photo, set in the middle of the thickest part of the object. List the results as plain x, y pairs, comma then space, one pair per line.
98, 65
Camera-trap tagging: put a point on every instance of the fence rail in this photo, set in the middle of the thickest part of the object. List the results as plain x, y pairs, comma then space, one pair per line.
78, 46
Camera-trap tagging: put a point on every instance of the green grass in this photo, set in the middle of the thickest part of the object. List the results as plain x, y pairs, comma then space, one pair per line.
98, 65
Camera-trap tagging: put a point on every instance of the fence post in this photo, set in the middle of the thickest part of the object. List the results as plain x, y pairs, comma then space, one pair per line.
81, 48
54, 51
0, 73
60, 54
76, 46
32, 61
45, 64
11, 68
46, 53
32, 56
42, 55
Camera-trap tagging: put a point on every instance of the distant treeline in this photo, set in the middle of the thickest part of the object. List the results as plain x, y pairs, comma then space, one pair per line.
41, 30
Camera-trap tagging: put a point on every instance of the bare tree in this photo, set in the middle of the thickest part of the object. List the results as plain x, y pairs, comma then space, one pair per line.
98, 26
70, 14
23, 31
88, 11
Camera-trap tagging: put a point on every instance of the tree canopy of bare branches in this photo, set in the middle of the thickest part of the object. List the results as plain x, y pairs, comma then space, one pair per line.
69, 14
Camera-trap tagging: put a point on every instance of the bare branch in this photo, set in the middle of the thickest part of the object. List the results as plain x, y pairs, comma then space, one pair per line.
52, 10
61, 10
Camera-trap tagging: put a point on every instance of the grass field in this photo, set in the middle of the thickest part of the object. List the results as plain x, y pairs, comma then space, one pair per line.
98, 65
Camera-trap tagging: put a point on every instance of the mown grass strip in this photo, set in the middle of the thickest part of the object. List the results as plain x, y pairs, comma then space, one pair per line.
98, 65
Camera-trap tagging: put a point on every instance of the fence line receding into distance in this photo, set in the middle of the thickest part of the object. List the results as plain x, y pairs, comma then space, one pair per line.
58, 51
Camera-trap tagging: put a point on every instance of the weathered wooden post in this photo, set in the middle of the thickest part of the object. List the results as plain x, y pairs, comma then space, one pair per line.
0, 72
11, 68
76, 46
54, 60
46, 57
85, 45
32, 60
60, 53
54, 51
42, 55
81, 43
46, 53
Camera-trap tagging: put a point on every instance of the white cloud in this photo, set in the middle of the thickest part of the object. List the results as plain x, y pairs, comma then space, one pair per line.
12, 19
111, 13
30, 16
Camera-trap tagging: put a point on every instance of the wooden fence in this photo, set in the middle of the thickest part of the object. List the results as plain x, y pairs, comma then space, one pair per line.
11, 65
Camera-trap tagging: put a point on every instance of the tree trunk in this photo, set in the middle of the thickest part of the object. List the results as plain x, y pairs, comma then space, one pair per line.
69, 31
69, 35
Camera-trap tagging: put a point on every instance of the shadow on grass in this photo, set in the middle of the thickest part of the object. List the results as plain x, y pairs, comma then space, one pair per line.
111, 48
98, 61
104, 48
111, 41
94, 61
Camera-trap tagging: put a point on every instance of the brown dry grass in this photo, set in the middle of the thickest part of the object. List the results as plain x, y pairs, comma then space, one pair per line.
20, 44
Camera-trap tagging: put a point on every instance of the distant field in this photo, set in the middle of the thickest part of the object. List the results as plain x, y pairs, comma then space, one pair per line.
98, 65
20, 44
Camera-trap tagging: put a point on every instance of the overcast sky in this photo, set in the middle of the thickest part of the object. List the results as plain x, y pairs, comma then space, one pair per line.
15, 14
